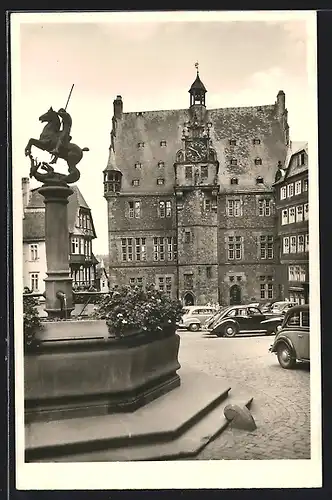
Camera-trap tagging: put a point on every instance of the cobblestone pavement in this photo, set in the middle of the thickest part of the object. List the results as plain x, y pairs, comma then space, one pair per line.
281, 405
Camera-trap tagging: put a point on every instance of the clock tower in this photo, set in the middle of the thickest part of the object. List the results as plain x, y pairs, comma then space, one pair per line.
196, 189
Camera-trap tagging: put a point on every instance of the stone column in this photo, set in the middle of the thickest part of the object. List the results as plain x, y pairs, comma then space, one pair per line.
58, 284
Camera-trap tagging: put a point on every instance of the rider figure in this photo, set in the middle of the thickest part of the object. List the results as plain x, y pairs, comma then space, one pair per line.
64, 135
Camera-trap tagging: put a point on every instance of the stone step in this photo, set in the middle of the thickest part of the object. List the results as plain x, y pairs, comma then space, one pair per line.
159, 420
175, 425
188, 444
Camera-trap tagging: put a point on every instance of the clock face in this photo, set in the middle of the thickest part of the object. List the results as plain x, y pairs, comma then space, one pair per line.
196, 151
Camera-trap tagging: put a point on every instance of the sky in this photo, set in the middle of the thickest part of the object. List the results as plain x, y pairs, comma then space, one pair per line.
150, 63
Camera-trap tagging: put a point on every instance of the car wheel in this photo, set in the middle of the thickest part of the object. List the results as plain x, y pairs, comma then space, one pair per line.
194, 327
285, 356
230, 330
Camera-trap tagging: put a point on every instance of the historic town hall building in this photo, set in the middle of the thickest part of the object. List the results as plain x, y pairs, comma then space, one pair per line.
190, 198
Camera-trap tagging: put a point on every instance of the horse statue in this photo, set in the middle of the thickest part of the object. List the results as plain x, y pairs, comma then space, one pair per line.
49, 141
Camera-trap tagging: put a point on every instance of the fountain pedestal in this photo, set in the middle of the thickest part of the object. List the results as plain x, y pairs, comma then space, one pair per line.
58, 284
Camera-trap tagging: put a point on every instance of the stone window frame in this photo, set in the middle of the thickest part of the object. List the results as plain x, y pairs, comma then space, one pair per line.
233, 162
135, 182
140, 145
187, 239
305, 184
163, 143
165, 283
140, 249
234, 181
258, 161
159, 249
188, 276
134, 209
127, 249
161, 164
232, 142
205, 171
234, 247
138, 165
306, 242
160, 181
266, 247
231, 206
164, 209
256, 141
137, 281
264, 210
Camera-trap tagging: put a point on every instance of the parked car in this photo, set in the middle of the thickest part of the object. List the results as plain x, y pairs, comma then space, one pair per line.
195, 316
292, 342
279, 307
242, 319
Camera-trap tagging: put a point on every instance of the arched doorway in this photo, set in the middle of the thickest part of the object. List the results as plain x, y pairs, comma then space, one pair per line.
235, 295
189, 299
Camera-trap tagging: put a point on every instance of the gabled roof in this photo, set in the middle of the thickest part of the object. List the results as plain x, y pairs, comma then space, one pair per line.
34, 222
290, 168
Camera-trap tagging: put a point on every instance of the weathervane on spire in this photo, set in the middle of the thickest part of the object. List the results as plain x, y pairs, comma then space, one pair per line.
196, 66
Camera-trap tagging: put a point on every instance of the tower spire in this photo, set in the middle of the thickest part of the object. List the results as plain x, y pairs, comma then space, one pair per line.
197, 91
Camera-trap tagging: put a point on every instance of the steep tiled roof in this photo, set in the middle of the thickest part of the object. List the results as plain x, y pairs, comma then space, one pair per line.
292, 167
34, 226
242, 124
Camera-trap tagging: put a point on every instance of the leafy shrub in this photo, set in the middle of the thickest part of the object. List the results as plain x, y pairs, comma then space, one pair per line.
31, 321
135, 309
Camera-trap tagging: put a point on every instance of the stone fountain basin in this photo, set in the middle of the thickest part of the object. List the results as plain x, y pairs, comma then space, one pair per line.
79, 371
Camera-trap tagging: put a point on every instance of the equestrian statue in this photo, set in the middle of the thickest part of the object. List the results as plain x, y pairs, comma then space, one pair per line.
56, 140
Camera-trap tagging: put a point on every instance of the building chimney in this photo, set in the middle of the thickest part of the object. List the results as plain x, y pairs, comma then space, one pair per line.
118, 107
25, 191
281, 104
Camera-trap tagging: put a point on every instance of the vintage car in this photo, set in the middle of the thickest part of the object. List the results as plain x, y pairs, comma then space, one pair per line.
242, 319
195, 316
291, 343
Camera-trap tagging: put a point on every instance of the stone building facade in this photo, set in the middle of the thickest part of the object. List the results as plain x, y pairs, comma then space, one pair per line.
190, 198
292, 208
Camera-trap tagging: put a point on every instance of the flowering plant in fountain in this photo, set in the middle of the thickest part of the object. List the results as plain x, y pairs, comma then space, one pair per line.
134, 309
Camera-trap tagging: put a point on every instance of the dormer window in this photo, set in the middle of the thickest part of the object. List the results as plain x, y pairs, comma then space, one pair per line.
233, 161
301, 159
256, 142
259, 180
163, 144
234, 180
138, 165
232, 142
161, 164
135, 182
258, 161
140, 145
160, 181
